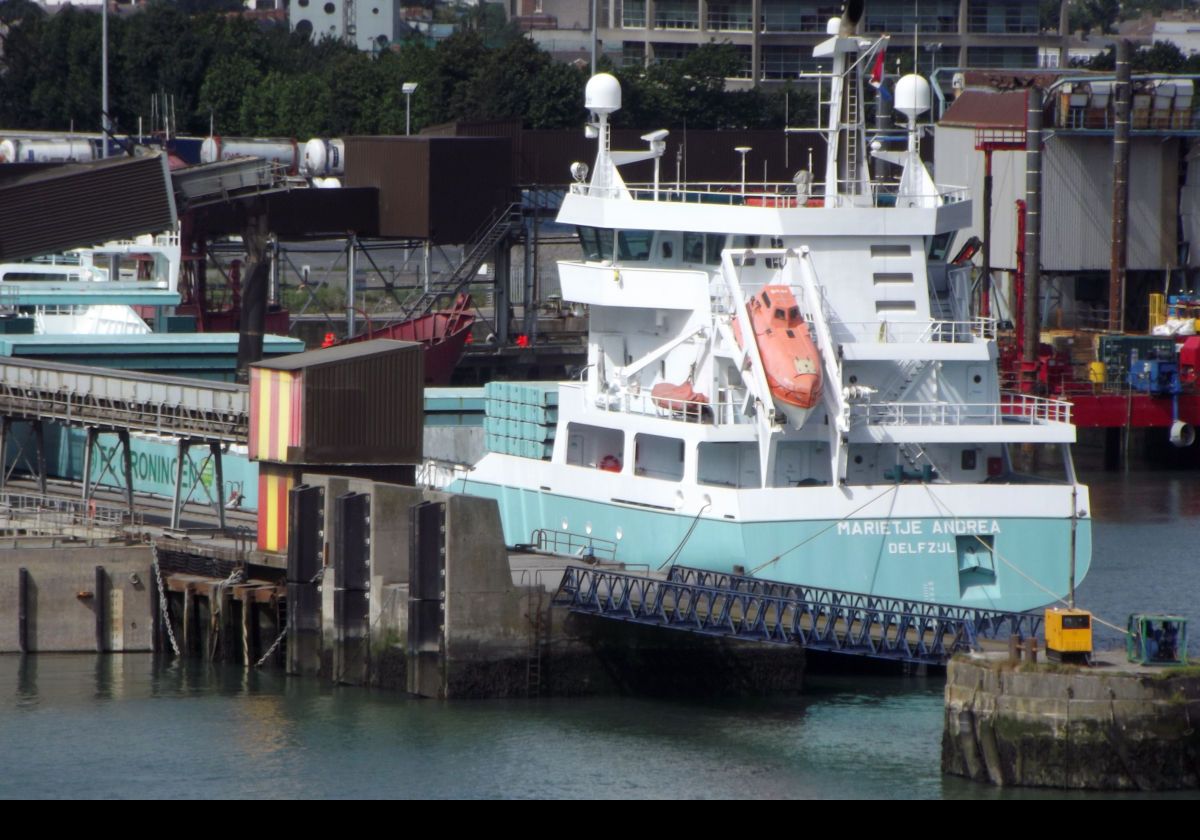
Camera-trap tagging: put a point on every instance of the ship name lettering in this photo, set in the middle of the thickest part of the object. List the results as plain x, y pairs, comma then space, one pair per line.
921, 548
881, 527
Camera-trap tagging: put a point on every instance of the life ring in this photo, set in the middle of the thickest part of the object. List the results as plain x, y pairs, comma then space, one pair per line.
610, 463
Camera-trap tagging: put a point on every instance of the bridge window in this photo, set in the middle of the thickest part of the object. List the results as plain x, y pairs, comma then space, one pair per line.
634, 244
658, 457
703, 248
597, 243
939, 246
729, 465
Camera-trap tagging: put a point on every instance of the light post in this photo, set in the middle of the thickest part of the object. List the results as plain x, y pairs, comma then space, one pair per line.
743, 151
408, 88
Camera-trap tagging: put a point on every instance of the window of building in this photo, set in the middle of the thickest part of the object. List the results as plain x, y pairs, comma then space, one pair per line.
731, 16
633, 14
671, 52
1003, 17
633, 54
903, 16
1012, 58
790, 16
676, 14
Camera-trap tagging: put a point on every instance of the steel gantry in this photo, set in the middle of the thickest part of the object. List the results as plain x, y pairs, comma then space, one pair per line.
735, 606
116, 402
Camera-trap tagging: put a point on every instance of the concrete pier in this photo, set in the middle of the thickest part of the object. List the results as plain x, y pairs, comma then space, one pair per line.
61, 598
1112, 727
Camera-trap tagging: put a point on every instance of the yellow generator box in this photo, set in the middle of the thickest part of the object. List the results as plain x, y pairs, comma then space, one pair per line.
1068, 631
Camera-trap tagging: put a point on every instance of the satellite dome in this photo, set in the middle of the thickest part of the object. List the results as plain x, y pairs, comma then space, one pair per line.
603, 94
912, 95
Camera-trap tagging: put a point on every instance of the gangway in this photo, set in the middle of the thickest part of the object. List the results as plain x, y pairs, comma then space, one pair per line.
752, 609
193, 412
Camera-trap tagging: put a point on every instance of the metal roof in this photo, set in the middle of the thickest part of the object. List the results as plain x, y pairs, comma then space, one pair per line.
334, 355
63, 207
986, 109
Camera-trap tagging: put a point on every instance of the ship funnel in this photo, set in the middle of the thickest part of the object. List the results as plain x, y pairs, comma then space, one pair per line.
852, 12
603, 94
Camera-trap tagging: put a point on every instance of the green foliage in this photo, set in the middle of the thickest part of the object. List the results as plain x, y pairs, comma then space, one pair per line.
243, 78
1162, 57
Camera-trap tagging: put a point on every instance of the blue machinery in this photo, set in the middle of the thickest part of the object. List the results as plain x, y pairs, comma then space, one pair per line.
738, 607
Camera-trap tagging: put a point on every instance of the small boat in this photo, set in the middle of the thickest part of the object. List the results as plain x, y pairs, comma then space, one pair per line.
444, 335
790, 358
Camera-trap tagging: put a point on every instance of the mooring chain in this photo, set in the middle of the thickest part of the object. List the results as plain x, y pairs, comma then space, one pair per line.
287, 625
164, 613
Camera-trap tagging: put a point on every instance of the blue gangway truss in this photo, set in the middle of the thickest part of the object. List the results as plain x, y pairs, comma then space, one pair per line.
752, 609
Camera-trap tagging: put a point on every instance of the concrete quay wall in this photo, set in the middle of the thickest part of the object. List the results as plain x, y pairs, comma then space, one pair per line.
1102, 728
69, 607
499, 635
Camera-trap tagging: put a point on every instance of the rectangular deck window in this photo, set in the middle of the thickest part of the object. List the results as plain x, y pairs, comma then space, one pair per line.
883, 307
658, 457
729, 465
887, 278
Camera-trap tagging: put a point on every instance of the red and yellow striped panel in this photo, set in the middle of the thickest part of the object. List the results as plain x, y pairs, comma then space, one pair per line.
274, 484
275, 417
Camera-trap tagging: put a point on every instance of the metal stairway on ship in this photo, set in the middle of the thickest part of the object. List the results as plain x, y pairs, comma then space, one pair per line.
752, 609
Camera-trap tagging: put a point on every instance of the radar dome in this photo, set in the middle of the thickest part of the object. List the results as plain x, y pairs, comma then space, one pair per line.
912, 95
833, 26
603, 94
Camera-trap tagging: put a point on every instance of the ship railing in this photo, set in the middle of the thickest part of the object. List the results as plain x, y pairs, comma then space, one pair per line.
36, 513
768, 194
916, 332
1012, 408
570, 544
722, 411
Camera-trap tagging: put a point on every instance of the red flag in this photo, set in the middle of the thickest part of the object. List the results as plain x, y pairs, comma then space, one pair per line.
877, 69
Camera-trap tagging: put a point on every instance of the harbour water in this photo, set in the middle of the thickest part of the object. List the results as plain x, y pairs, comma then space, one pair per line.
125, 726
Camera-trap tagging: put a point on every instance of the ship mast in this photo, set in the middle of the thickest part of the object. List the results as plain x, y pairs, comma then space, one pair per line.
845, 161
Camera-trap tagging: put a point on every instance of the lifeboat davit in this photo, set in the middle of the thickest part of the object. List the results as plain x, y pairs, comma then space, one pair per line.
790, 359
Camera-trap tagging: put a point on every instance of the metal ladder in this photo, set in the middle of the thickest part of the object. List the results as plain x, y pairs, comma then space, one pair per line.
474, 254
533, 662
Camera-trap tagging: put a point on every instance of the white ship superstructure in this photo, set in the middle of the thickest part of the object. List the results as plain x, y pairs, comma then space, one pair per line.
675, 446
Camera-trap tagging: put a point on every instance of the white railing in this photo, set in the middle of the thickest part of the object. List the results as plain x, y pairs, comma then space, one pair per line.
722, 411
916, 332
1012, 408
771, 194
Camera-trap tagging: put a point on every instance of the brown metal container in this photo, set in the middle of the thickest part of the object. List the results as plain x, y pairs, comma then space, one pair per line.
354, 404
438, 188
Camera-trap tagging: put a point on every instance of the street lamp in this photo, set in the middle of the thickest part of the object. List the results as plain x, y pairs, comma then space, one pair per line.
408, 88
743, 151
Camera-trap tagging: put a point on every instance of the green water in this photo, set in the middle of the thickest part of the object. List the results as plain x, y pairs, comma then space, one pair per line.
128, 727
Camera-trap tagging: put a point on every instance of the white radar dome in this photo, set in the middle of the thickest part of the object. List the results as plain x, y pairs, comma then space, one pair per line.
912, 95
603, 94
833, 26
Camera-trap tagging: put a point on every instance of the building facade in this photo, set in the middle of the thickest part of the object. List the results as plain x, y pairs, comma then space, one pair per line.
368, 24
943, 33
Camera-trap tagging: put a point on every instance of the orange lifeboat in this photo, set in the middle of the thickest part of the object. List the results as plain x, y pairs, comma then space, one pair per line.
790, 359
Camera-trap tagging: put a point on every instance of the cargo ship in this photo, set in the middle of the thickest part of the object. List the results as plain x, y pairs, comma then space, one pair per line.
902, 480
